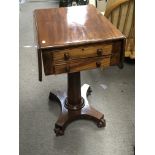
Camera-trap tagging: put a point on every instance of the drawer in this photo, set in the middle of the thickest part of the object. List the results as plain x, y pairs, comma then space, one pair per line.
82, 52
75, 66
81, 58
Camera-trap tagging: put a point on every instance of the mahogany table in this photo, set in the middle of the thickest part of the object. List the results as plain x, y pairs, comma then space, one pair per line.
70, 40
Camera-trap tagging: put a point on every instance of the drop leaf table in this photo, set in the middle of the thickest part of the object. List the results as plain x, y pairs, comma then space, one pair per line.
70, 40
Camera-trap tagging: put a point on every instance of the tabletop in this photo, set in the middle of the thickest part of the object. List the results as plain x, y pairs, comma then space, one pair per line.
69, 26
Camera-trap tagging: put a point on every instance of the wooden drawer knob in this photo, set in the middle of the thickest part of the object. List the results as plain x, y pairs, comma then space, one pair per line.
67, 68
66, 56
98, 64
99, 52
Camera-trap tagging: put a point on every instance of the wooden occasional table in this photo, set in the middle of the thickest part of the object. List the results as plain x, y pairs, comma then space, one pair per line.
70, 40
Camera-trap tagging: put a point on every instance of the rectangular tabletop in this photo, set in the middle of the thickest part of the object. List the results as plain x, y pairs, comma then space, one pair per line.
69, 26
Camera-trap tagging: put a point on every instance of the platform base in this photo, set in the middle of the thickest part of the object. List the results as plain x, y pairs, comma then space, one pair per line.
67, 116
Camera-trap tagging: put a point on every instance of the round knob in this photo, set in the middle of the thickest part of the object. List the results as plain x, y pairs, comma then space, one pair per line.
66, 56
67, 68
98, 64
99, 52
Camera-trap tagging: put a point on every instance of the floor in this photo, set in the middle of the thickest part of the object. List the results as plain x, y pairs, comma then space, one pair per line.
113, 94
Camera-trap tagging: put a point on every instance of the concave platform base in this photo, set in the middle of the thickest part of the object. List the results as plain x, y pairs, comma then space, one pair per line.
67, 115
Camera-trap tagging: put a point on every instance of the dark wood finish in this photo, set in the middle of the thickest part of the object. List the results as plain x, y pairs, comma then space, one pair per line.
74, 100
40, 64
67, 116
61, 27
69, 44
81, 52
75, 65
79, 38
82, 58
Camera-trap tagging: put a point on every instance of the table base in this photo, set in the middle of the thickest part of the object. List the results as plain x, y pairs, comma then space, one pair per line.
67, 115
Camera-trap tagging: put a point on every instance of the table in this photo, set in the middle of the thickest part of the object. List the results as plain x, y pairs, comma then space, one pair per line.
70, 40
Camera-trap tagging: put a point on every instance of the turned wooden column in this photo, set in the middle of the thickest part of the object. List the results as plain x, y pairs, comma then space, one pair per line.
74, 101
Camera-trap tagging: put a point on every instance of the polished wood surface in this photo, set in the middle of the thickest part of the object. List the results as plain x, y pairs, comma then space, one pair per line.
68, 43
82, 52
74, 59
75, 65
85, 111
57, 27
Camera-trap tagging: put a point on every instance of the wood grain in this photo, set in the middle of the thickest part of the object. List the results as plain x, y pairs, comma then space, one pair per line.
127, 16
82, 65
114, 6
82, 52
81, 58
58, 27
72, 40
124, 21
71, 44
119, 16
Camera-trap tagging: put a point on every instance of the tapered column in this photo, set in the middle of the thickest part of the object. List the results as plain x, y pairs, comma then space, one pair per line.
74, 101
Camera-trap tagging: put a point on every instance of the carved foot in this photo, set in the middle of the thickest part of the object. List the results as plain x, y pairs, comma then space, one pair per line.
59, 131
101, 123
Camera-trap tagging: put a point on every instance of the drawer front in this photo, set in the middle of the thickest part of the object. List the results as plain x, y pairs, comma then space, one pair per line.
74, 66
55, 62
82, 52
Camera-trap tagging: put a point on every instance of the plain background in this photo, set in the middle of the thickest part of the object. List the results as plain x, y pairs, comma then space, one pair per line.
145, 77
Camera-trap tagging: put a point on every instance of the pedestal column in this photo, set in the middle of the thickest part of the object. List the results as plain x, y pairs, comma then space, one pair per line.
74, 101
